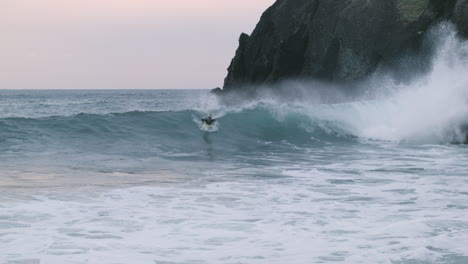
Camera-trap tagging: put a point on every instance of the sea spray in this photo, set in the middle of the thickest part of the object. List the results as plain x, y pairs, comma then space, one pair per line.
428, 108
432, 108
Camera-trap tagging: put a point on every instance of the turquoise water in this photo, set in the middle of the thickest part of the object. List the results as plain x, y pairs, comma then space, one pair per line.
134, 177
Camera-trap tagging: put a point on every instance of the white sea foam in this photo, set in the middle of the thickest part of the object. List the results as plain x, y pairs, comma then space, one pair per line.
432, 108
428, 109
383, 212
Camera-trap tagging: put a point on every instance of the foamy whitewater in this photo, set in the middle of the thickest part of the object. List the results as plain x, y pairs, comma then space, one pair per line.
134, 177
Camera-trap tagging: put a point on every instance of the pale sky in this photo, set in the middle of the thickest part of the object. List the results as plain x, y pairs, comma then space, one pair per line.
121, 44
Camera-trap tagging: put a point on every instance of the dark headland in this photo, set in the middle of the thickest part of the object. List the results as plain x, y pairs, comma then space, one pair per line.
335, 40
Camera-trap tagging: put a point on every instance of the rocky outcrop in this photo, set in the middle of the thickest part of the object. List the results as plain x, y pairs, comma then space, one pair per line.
216, 90
335, 39
460, 16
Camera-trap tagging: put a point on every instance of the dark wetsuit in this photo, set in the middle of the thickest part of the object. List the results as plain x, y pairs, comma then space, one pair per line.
208, 121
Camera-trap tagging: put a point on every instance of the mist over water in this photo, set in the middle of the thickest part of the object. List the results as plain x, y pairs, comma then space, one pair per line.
427, 108
431, 108
309, 173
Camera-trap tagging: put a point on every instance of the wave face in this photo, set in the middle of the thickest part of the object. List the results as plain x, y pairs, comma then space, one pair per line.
166, 132
431, 108
166, 124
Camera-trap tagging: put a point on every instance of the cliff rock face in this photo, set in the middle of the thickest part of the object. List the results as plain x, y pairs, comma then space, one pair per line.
335, 39
461, 16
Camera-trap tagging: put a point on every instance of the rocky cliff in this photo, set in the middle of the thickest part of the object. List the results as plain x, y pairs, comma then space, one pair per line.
335, 39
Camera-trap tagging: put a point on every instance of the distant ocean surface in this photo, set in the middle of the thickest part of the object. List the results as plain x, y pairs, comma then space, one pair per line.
132, 176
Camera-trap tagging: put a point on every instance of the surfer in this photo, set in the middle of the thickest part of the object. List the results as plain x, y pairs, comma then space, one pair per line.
208, 121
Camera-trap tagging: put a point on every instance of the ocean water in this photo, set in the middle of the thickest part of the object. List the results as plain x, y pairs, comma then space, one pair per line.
132, 176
